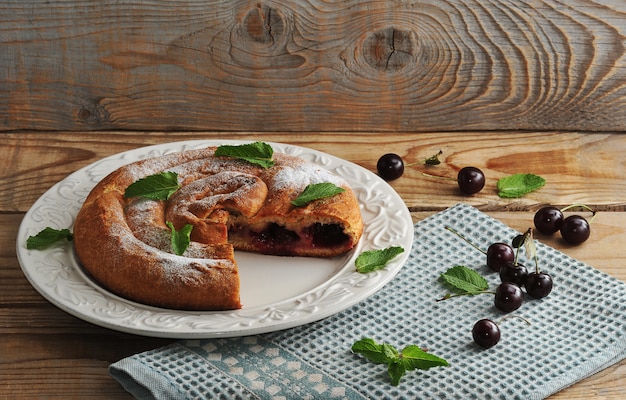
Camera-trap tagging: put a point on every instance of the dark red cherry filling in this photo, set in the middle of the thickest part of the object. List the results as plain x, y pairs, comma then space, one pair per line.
275, 235
276, 239
326, 235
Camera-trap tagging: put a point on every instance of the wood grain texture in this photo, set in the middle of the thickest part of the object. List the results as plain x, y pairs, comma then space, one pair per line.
292, 65
579, 168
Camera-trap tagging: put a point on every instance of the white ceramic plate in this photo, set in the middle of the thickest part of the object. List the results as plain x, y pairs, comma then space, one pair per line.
276, 292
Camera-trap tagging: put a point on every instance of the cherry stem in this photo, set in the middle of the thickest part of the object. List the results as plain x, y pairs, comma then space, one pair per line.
512, 316
583, 206
537, 270
535, 257
464, 238
449, 296
446, 178
537, 264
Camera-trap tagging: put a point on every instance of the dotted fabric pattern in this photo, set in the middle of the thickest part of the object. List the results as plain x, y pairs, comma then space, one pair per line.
579, 329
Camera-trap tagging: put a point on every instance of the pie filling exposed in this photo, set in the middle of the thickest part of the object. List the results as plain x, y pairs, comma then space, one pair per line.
275, 239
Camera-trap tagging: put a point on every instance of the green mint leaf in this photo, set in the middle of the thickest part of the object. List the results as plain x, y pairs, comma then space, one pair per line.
47, 238
414, 357
434, 159
317, 191
258, 153
396, 370
465, 279
155, 187
518, 185
181, 238
373, 260
390, 352
373, 351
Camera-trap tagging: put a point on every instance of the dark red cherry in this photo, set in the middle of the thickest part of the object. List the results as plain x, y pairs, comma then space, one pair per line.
548, 220
390, 166
471, 180
514, 273
499, 254
538, 284
486, 333
508, 297
575, 229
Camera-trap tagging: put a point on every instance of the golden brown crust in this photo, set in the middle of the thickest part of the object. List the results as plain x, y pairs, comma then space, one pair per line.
124, 243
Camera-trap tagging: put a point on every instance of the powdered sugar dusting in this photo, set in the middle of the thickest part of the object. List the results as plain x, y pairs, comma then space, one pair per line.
175, 267
145, 220
288, 172
188, 269
300, 176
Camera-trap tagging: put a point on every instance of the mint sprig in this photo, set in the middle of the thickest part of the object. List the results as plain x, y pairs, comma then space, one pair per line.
180, 239
465, 281
47, 237
373, 260
317, 191
410, 358
518, 185
258, 153
159, 186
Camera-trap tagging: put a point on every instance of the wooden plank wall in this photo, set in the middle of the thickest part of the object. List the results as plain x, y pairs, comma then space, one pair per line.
313, 65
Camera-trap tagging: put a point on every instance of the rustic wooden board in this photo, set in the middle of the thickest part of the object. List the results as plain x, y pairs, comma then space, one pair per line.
579, 168
293, 65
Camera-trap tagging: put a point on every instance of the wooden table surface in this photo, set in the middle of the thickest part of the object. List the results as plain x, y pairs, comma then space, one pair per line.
506, 85
46, 353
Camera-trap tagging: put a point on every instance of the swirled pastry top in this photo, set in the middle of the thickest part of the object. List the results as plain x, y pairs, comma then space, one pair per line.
231, 204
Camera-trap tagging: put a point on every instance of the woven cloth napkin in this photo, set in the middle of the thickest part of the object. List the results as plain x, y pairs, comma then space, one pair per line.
578, 330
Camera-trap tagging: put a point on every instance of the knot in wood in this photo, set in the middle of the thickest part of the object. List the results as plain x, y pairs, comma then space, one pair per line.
93, 114
389, 49
264, 25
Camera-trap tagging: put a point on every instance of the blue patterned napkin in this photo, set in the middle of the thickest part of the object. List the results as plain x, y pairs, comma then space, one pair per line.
578, 330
